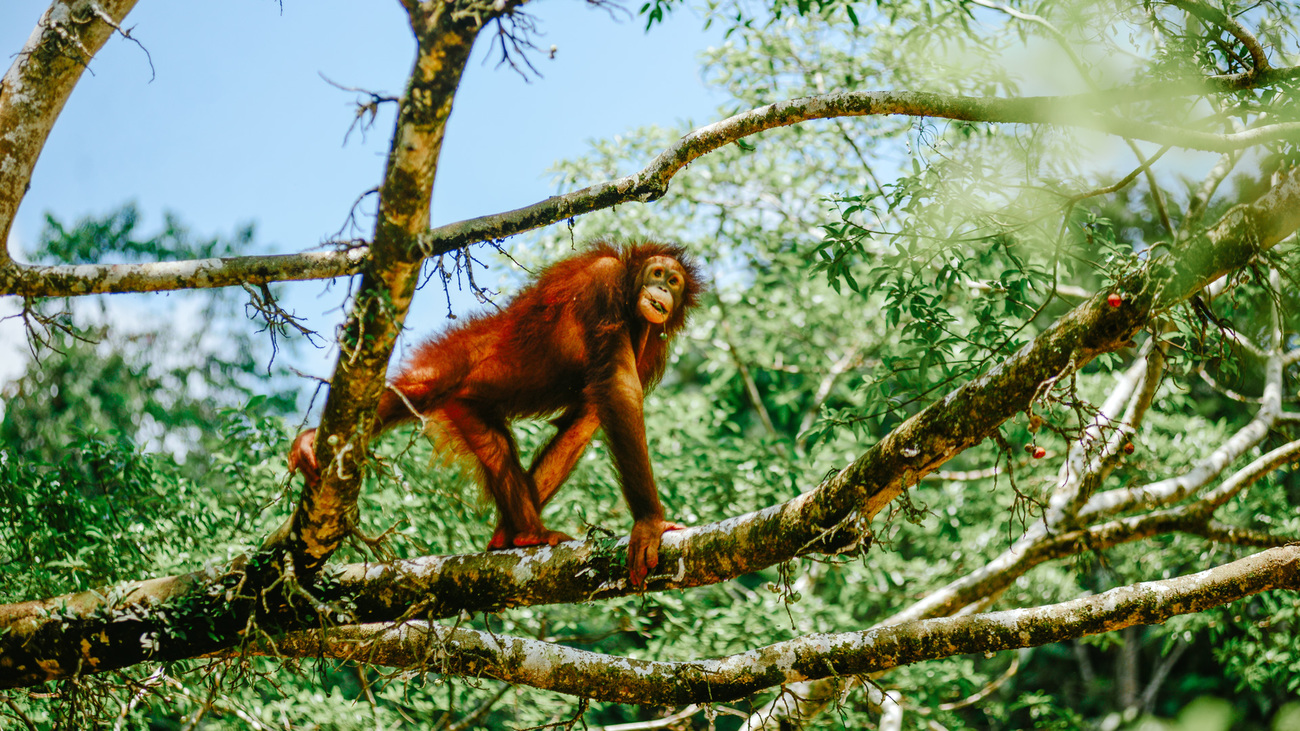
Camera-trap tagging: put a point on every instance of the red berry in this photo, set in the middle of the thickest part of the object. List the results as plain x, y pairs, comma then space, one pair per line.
1039, 452
1129, 448
1114, 300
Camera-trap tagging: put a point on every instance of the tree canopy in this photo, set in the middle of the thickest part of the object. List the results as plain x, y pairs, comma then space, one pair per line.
987, 421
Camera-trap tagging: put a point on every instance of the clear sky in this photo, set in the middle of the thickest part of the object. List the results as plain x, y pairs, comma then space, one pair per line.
238, 126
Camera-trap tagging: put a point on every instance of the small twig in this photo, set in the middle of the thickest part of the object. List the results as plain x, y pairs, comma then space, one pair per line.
984, 692
462, 263
276, 321
125, 33
1124, 181
321, 384
513, 38
350, 221
18, 712
751, 388
40, 327
367, 111
1235, 396
473, 717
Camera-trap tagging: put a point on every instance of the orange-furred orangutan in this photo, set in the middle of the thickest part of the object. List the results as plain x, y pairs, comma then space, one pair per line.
586, 340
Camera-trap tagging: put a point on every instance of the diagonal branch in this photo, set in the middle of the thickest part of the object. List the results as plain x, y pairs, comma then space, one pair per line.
1210, 14
651, 183
38, 83
103, 632
326, 511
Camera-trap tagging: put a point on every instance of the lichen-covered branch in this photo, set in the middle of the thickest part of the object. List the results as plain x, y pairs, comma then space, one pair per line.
967, 415
90, 636
623, 680
36, 86
652, 182
445, 33
1048, 539
207, 611
81, 279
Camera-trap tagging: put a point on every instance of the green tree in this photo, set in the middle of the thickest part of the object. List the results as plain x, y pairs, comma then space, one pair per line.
979, 361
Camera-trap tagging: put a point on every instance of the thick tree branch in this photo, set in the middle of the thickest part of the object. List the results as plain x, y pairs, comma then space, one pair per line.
36, 86
624, 680
445, 33
90, 637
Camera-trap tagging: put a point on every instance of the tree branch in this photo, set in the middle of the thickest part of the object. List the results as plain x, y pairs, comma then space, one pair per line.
36, 86
325, 514
87, 636
1259, 60
652, 182
26, 280
607, 678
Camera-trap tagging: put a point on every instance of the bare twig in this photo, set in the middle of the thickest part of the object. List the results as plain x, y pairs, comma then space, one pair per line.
367, 110
988, 689
276, 320
471, 719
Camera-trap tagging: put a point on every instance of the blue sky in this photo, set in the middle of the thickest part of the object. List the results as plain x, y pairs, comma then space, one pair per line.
238, 126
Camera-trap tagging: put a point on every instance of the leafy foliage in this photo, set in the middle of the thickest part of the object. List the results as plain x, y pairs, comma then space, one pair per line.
863, 268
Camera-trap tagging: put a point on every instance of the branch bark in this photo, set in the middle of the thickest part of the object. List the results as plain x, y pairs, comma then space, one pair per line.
649, 184
187, 616
167, 276
37, 85
625, 680
325, 514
